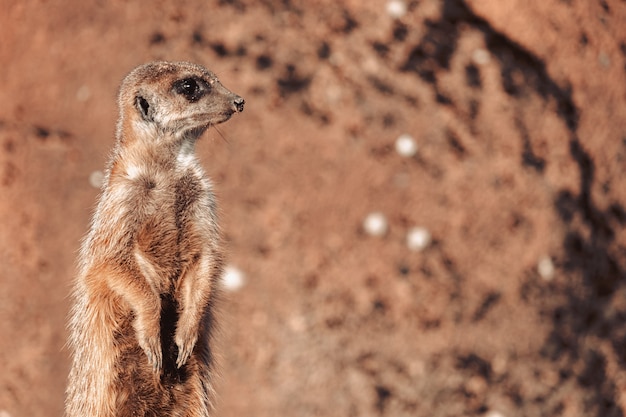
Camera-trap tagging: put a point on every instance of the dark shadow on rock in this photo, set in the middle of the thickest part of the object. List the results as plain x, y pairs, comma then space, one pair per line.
593, 263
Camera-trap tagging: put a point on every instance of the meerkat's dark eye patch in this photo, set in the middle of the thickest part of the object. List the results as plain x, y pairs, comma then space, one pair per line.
191, 88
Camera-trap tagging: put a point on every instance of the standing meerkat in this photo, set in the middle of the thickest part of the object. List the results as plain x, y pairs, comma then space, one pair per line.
149, 267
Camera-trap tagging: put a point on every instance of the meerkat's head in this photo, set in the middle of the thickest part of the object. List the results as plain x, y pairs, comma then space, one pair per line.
177, 98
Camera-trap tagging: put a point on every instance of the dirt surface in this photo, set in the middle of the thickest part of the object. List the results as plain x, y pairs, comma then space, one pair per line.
518, 110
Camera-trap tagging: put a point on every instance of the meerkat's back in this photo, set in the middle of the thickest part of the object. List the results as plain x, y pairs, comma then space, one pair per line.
141, 321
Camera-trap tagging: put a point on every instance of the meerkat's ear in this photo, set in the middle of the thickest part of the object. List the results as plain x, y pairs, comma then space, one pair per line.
144, 108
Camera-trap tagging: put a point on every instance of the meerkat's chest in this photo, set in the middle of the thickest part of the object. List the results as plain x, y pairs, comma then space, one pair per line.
171, 230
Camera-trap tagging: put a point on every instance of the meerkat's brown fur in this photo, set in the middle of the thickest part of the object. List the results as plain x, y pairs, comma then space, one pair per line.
140, 326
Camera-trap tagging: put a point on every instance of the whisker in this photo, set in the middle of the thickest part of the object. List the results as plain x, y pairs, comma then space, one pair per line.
221, 134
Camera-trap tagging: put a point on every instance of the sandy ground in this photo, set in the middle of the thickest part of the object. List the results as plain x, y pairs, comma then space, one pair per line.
517, 305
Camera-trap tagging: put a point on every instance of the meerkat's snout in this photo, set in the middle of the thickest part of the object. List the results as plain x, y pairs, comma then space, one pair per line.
239, 102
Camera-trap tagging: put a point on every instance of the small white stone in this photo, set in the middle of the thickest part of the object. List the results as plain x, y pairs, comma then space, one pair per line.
406, 145
96, 178
481, 56
232, 278
604, 59
418, 239
396, 8
83, 93
297, 324
494, 413
545, 268
375, 224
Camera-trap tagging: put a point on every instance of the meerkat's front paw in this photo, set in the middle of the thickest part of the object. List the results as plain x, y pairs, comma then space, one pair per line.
150, 342
185, 339
152, 348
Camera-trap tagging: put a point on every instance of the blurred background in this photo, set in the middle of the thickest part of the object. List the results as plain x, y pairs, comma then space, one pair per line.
423, 201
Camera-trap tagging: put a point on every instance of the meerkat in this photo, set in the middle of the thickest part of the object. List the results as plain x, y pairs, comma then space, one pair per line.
143, 301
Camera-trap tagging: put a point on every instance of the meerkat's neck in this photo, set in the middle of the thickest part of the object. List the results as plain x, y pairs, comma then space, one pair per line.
142, 148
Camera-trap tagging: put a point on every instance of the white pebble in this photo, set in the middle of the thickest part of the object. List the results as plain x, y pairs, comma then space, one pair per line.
96, 178
418, 238
297, 324
396, 8
406, 145
83, 93
375, 224
545, 268
494, 413
481, 56
604, 59
232, 278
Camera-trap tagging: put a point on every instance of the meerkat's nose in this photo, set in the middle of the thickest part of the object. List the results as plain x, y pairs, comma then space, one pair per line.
239, 102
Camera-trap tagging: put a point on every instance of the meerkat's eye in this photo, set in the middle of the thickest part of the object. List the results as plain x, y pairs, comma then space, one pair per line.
189, 88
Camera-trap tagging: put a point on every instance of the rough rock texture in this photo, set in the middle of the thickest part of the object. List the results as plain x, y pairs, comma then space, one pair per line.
519, 111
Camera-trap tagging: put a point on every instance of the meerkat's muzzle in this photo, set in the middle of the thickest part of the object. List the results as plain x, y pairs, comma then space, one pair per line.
238, 103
